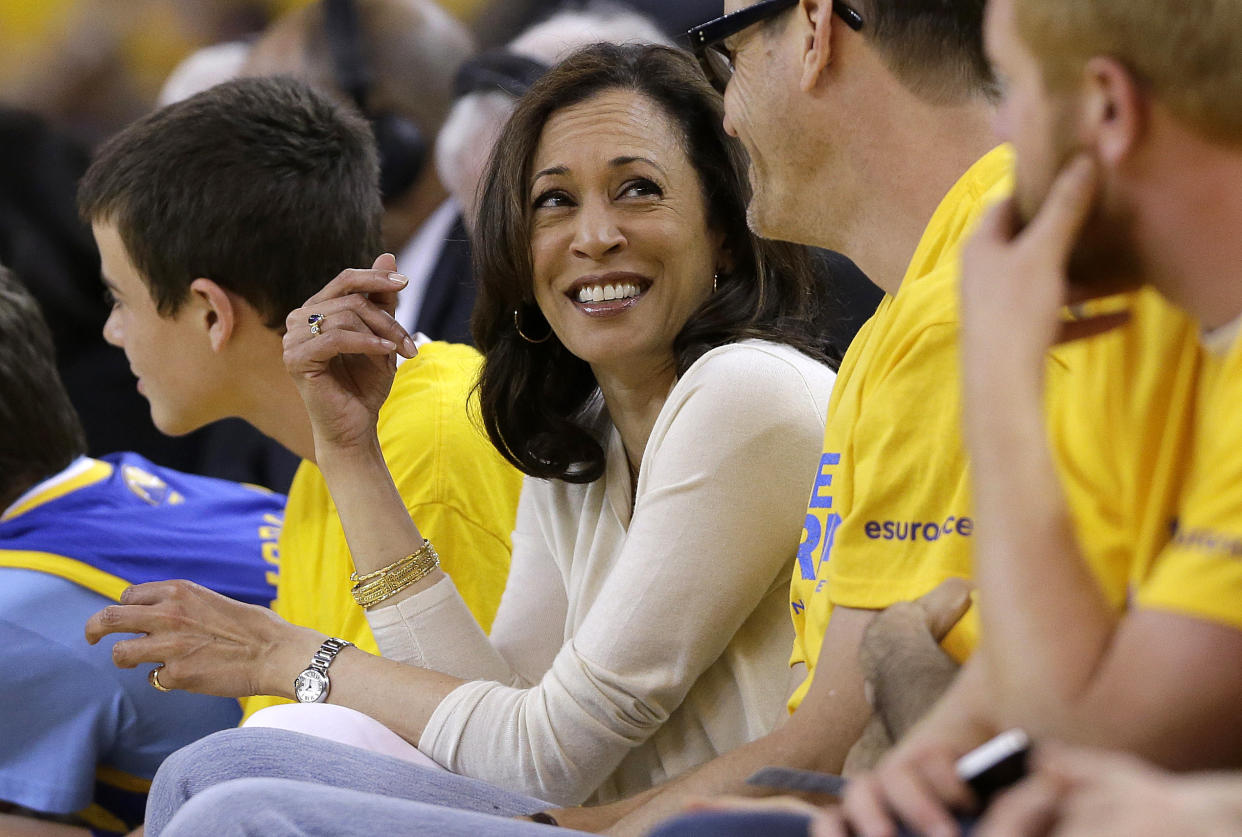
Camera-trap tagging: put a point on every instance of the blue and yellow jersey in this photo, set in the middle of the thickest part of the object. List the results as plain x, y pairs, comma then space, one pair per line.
80, 736
123, 520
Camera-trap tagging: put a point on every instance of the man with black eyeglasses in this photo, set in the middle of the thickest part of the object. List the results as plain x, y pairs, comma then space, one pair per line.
867, 123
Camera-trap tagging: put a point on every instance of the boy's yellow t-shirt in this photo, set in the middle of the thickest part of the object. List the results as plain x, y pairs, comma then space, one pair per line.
889, 513
462, 494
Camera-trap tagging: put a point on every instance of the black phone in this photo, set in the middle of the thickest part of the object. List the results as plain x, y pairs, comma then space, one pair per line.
988, 769
992, 767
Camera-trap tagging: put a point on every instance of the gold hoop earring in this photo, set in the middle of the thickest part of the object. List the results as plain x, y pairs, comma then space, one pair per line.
518, 325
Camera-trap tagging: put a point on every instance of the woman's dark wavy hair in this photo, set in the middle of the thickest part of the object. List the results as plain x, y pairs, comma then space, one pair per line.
537, 400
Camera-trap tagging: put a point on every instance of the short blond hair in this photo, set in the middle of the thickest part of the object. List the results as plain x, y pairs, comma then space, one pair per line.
1185, 52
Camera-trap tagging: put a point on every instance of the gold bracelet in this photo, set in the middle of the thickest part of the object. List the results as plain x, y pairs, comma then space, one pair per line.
418, 553
396, 577
375, 587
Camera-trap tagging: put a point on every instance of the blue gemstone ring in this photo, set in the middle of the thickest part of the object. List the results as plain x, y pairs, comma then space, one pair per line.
316, 323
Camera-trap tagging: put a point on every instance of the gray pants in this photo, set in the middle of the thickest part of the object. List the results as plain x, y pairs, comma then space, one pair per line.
274, 782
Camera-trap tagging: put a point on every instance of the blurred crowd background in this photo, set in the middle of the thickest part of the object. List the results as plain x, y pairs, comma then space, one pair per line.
91, 66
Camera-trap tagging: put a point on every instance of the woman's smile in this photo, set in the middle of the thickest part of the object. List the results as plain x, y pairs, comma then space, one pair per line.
608, 294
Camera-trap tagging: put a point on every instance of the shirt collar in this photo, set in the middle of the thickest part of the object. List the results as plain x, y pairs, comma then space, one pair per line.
1220, 340
76, 467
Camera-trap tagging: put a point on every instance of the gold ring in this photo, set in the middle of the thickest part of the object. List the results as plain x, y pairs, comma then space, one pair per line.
315, 321
153, 677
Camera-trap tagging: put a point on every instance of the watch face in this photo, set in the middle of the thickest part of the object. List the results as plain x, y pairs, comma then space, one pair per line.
311, 686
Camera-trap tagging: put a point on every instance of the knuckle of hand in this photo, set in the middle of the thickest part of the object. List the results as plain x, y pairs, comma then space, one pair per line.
184, 589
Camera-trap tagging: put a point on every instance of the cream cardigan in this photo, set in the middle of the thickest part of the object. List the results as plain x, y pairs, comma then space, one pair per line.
632, 646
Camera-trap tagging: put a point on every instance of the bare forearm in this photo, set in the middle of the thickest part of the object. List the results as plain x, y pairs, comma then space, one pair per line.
790, 746
601, 818
377, 525
1032, 577
401, 697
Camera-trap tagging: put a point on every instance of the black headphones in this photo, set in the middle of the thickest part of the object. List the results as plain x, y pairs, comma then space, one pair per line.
402, 148
498, 69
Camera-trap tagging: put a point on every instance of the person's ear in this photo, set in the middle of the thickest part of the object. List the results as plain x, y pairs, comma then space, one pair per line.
815, 40
216, 311
1114, 110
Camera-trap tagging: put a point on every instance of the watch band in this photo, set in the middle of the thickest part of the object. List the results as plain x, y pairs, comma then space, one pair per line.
327, 653
313, 684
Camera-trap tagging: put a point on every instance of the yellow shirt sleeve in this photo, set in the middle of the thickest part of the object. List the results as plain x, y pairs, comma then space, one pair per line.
889, 516
890, 512
1120, 430
1199, 573
909, 523
457, 488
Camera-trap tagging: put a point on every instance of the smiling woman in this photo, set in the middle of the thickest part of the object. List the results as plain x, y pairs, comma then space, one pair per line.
649, 366
617, 170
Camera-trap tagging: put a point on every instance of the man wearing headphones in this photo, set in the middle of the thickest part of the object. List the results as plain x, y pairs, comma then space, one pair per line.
395, 61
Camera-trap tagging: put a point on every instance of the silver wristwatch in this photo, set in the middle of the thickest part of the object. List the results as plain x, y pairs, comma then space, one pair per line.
311, 686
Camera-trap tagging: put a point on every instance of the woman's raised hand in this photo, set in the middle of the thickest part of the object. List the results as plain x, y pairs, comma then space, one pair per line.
341, 346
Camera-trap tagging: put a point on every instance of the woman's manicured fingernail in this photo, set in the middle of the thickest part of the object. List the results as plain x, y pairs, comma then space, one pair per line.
398, 279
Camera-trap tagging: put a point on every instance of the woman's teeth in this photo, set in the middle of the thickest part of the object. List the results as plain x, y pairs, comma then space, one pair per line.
603, 293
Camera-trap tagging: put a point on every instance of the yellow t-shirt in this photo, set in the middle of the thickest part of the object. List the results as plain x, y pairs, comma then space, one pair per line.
1199, 572
889, 513
1121, 432
458, 489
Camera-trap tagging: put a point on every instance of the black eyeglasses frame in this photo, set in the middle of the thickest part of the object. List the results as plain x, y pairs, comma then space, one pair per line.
708, 35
